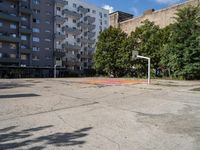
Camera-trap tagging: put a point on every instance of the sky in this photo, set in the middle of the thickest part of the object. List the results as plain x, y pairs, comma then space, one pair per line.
136, 7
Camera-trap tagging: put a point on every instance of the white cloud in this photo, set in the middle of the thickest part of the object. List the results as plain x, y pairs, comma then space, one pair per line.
108, 7
168, 1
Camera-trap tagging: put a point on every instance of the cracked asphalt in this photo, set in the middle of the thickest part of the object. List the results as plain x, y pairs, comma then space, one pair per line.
71, 114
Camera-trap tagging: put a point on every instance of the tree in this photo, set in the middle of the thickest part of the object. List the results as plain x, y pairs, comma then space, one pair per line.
110, 55
183, 48
147, 40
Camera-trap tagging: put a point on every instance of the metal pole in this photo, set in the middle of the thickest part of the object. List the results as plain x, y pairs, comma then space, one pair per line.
149, 67
55, 71
149, 70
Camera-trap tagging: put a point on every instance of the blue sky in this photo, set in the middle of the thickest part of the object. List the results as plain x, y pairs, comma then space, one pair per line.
136, 7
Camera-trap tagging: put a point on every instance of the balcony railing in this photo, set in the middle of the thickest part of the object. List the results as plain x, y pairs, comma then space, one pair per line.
91, 34
71, 47
26, 10
73, 31
59, 19
25, 30
61, 3
90, 41
89, 19
8, 38
83, 10
91, 27
26, 50
59, 53
72, 14
6, 16
83, 25
59, 37
9, 60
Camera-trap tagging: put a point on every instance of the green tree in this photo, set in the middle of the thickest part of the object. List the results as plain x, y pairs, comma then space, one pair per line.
147, 40
183, 48
110, 55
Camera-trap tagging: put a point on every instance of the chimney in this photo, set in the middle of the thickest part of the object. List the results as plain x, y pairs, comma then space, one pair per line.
150, 11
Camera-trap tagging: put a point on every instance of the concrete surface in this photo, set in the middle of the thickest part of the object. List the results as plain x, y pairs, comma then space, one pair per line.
70, 114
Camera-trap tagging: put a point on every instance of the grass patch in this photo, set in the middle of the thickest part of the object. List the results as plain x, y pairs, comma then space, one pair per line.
196, 89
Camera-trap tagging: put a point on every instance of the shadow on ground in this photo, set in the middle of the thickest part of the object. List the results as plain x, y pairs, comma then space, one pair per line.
13, 85
18, 139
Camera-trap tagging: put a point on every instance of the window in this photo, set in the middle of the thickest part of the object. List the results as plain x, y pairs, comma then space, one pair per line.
47, 40
36, 2
105, 22
23, 37
36, 39
23, 46
47, 31
13, 26
14, 35
0, 55
74, 21
36, 49
12, 6
36, 30
74, 5
12, 55
47, 22
1, 44
36, 11
47, 48
1, 24
35, 58
105, 15
23, 57
13, 46
23, 18
36, 20
58, 8
100, 14
94, 11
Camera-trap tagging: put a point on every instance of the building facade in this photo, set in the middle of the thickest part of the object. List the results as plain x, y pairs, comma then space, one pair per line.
44, 33
26, 33
77, 26
164, 17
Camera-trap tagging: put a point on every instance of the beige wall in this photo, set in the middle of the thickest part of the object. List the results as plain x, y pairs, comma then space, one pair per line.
161, 17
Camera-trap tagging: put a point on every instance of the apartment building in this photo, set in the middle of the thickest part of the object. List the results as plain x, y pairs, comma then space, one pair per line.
77, 26
40, 34
26, 33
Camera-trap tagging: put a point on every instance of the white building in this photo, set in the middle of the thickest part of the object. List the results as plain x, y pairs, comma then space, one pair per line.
77, 26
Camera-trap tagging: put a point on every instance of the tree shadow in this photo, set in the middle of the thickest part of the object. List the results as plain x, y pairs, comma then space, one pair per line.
13, 85
18, 139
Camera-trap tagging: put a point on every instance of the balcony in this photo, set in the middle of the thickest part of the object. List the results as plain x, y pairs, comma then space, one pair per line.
73, 31
9, 17
83, 25
89, 19
83, 40
71, 14
8, 38
60, 3
59, 37
83, 10
26, 10
90, 41
71, 47
59, 53
26, 50
91, 34
25, 30
9, 60
90, 49
59, 19
91, 27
